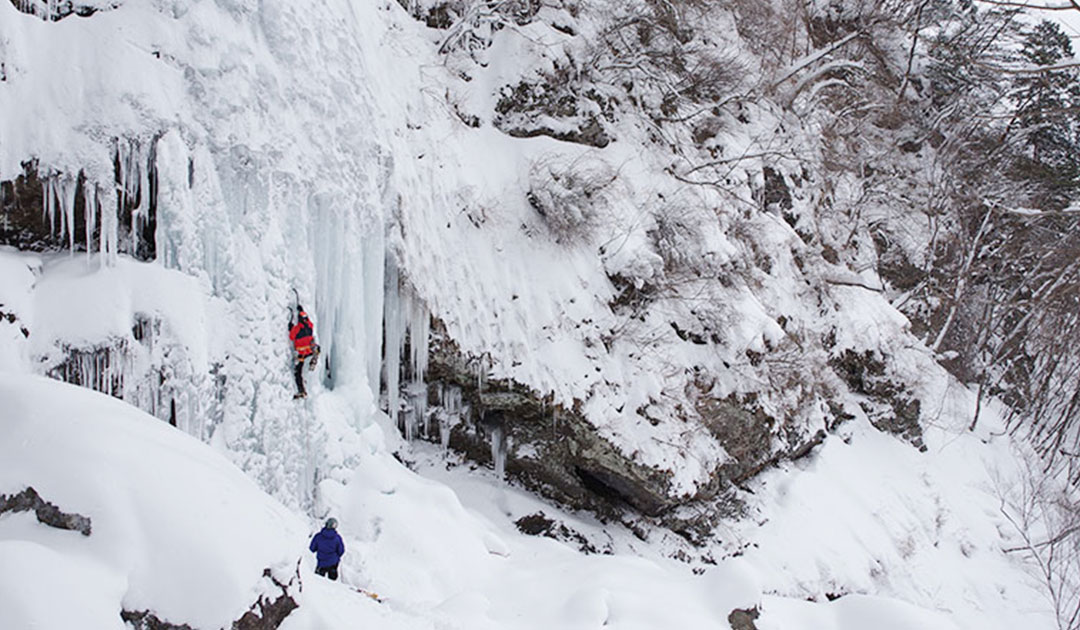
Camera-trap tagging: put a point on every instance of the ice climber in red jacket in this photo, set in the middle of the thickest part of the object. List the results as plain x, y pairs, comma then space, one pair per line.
302, 335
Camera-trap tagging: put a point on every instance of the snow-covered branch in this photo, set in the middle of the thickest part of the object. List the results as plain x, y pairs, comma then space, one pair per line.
1058, 67
1071, 5
808, 60
832, 66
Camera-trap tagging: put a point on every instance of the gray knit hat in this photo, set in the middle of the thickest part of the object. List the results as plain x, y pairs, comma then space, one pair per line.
331, 523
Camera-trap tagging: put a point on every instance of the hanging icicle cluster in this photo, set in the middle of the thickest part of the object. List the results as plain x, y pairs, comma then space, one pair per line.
147, 370
102, 368
407, 330
452, 411
135, 170
45, 209
407, 325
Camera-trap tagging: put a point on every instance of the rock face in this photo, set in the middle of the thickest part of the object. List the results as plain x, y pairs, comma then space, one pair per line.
743, 619
522, 110
267, 613
146, 620
745, 433
55, 11
559, 454
538, 524
47, 513
888, 404
550, 449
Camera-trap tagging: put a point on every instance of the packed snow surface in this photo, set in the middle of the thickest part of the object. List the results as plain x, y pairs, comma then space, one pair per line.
179, 530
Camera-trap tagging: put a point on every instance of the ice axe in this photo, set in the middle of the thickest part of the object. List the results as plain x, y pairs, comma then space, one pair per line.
296, 294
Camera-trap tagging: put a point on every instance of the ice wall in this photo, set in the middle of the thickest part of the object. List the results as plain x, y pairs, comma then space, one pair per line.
254, 144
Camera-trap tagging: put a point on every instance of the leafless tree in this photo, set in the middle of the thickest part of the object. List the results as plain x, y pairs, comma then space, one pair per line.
1045, 518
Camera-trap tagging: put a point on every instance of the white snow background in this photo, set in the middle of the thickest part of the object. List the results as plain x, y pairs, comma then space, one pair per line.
290, 135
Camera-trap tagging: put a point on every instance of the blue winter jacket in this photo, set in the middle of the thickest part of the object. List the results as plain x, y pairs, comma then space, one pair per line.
328, 547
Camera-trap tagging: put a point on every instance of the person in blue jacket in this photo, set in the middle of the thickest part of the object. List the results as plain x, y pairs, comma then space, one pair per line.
328, 548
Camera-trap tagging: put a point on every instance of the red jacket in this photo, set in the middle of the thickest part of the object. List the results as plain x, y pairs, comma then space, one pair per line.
302, 335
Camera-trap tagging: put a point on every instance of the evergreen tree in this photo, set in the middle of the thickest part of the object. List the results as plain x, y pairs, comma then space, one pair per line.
1048, 116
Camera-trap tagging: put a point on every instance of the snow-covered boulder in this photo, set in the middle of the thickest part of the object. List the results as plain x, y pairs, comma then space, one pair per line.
175, 528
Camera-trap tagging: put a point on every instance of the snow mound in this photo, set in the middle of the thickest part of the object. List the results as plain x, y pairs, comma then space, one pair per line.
177, 529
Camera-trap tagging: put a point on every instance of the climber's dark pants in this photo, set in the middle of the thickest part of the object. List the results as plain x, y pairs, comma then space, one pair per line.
299, 374
330, 572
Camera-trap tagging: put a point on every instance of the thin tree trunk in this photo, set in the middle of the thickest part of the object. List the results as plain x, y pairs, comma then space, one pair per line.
961, 281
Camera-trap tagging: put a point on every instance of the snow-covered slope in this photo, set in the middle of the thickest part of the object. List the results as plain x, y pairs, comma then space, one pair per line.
175, 528
179, 531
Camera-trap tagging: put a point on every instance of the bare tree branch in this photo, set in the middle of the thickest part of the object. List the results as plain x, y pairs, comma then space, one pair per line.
1073, 5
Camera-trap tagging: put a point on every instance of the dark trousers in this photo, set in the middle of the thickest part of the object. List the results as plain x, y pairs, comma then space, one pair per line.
299, 374
330, 572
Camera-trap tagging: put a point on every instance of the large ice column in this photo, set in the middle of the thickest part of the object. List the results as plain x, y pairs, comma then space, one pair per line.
256, 233
374, 252
348, 254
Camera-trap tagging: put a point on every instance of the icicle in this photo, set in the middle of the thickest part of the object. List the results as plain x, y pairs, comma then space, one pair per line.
88, 213
374, 297
109, 225
498, 451
103, 228
419, 333
406, 318
48, 207
56, 210
481, 374
59, 195
123, 152
138, 188
71, 185
444, 416
408, 306
450, 401
132, 176
394, 339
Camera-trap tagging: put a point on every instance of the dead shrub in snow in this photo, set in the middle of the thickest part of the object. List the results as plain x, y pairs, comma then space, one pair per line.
677, 239
470, 24
662, 53
1045, 515
569, 195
